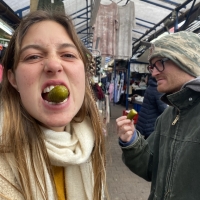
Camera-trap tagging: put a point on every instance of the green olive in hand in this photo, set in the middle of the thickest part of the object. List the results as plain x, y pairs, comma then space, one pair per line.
131, 114
58, 94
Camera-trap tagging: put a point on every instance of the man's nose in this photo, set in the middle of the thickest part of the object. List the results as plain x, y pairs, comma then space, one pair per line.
155, 72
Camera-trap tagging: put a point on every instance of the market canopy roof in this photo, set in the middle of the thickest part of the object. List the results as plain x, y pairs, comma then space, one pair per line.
151, 16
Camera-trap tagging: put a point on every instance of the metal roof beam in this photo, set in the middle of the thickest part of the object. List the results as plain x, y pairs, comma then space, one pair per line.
188, 15
8, 15
127, 2
147, 44
138, 32
83, 30
158, 24
19, 12
82, 17
193, 16
143, 25
79, 16
86, 37
156, 4
91, 34
80, 23
87, 16
181, 18
78, 11
145, 21
172, 2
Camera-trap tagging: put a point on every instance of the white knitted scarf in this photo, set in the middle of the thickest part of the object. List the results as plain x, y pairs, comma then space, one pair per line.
72, 151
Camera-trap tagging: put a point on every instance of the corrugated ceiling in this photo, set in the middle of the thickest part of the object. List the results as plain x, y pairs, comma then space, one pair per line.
148, 13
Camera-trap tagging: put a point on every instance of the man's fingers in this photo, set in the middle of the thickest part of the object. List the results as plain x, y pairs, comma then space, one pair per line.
126, 136
121, 118
123, 121
125, 128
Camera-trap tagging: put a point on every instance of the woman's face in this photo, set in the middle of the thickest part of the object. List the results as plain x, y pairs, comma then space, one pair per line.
48, 57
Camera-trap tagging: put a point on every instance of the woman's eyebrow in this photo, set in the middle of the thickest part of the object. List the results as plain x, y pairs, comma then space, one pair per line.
39, 47
32, 46
63, 45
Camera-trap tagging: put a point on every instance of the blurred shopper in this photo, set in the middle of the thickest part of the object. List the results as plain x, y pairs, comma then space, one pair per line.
169, 158
151, 108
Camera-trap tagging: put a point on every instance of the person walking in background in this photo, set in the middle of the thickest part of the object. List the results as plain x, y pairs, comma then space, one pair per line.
169, 158
151, 108
49, 149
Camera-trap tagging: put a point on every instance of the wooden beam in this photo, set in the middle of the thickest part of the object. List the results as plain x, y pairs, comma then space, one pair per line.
33, 5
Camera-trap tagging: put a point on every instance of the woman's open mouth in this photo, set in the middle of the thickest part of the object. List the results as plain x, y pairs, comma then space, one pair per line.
55, 94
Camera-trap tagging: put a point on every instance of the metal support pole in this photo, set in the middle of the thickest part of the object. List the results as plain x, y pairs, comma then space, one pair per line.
176, 22
87, 17
114, 82
97, 43
127, 85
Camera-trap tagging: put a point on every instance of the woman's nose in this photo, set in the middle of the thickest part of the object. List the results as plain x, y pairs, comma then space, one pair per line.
52, 65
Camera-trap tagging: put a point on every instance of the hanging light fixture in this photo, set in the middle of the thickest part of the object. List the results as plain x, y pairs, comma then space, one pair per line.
6, 28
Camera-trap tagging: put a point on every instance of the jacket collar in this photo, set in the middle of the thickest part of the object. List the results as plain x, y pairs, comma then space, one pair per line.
189, 90
181, 99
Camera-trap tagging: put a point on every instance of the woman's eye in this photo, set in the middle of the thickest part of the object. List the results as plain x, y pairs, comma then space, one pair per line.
33, 57
67, 55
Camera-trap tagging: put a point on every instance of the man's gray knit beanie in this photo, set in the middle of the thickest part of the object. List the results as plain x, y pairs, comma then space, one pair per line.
183, 48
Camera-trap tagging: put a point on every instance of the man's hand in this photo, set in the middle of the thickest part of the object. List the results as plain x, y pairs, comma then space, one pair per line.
125, 128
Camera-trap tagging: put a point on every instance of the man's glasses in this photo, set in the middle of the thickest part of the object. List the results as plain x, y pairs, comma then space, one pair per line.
159, 65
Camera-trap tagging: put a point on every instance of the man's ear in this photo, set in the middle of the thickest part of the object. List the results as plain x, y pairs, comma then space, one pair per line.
12, 80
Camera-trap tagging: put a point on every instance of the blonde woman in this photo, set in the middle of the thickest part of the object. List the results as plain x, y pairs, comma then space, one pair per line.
49, 150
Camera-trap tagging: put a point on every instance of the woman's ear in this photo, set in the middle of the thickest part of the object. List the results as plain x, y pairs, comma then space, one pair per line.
12, 80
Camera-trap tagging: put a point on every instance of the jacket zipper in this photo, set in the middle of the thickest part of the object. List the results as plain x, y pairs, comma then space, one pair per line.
175, 120
169, 173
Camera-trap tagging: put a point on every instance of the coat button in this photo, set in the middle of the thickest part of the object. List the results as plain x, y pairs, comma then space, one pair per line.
190, 99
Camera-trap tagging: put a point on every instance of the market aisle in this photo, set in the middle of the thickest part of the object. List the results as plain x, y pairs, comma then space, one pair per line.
122, 183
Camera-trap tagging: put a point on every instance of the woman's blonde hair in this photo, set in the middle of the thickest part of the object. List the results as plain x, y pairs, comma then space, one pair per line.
21, 132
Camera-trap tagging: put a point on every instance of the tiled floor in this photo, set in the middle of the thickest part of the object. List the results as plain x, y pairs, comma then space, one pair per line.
122, 183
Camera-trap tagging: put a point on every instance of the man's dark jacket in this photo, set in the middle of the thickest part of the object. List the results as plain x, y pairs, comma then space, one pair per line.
170, 157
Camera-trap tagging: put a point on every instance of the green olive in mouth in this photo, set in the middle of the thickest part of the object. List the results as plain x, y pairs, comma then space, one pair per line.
58, 94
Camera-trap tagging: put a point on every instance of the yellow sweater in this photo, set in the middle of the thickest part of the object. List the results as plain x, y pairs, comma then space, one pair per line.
58, 173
